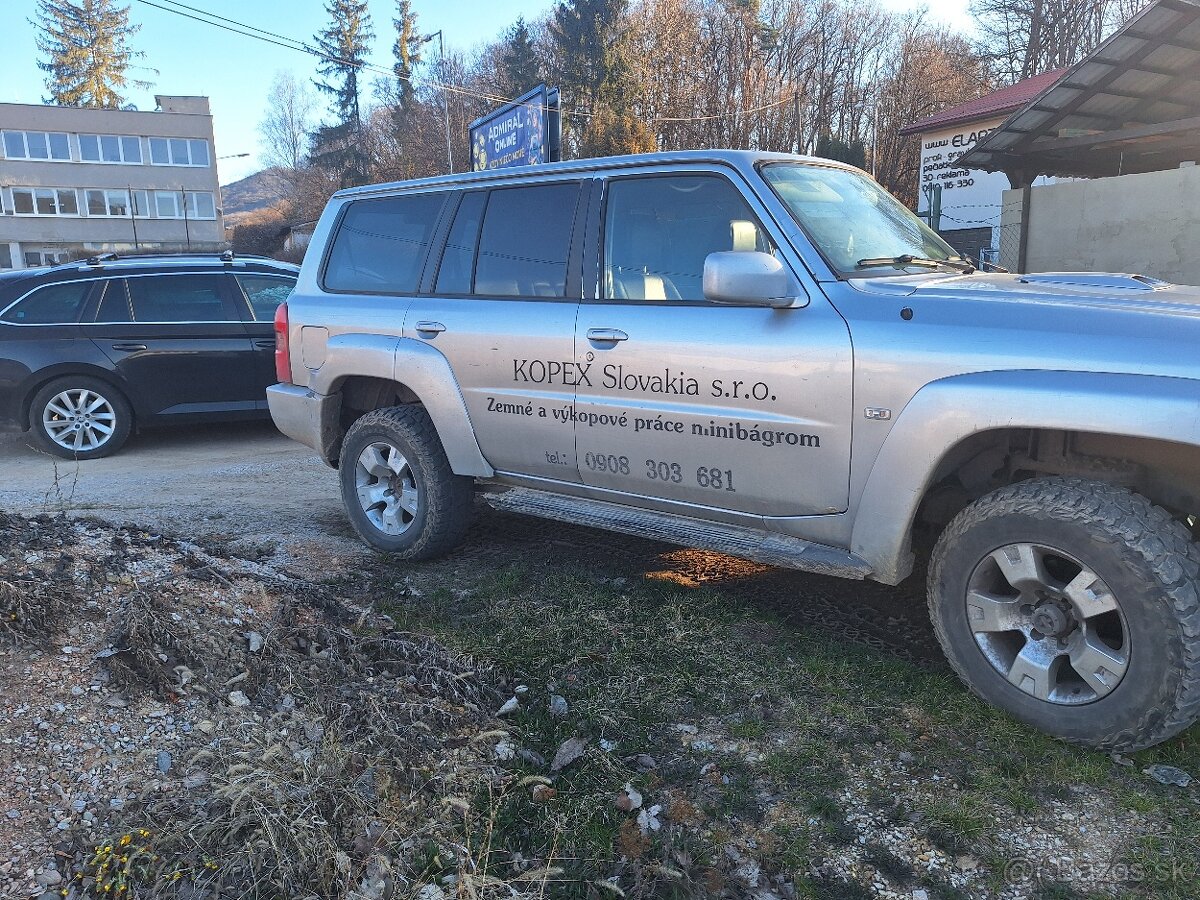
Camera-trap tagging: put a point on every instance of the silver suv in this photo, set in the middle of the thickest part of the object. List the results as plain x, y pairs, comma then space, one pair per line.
767, 355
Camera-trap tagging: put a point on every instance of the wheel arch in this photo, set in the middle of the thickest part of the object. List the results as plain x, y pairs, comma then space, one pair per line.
1130, 424
369, 372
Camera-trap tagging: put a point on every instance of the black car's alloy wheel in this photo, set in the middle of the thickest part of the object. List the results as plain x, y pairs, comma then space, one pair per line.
80, 418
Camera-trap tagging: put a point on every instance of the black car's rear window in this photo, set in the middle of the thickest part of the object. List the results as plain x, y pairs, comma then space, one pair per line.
381, 244
50, 304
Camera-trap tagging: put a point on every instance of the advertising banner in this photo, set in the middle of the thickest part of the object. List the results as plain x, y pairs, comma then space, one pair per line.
522, 133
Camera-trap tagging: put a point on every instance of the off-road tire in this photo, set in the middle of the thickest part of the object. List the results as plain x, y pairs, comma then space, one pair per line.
445, 499
122, 413
1148, 561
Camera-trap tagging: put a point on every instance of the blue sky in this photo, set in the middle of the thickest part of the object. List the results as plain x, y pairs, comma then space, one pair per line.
235, 72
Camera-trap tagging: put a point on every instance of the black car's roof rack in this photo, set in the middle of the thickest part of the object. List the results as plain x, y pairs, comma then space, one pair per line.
227, 257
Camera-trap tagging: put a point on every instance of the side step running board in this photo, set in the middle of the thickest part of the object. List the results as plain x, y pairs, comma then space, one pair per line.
748, 543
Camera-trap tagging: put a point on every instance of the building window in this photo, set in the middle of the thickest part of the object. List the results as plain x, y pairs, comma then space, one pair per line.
45, 202
108, 203
200, 205
51, 145
5, 256
166, 204
110, 148
178, 152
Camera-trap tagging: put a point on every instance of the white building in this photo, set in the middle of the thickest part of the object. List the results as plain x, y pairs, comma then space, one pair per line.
74, 182
971, 202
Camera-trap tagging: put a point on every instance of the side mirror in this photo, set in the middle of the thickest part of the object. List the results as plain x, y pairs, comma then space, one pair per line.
747, 278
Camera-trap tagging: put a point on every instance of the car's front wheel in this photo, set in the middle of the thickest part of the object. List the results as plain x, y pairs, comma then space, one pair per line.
398, 488
1073, 604
80, 418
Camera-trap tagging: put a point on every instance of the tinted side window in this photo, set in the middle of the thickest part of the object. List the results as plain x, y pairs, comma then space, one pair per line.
114, 305
525, 241
658, 231
177, 298
381, 244
458, 259
55, 303
265, 293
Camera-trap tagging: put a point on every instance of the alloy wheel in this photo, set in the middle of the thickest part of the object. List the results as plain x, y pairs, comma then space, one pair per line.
79, 420
387, 488
1048, 624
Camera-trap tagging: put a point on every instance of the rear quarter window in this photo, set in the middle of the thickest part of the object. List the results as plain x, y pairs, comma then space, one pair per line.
525, 241
52, 304
381, 244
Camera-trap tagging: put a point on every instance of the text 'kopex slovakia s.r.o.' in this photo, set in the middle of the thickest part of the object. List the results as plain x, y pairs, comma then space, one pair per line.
664, 382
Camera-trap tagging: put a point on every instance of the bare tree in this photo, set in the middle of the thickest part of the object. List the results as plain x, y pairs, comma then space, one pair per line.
1022, 38
288, 123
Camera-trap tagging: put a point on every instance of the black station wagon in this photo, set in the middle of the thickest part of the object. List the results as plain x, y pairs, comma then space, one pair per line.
91, 350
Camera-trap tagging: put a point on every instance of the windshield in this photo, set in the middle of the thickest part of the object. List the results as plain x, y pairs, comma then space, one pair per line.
852, 220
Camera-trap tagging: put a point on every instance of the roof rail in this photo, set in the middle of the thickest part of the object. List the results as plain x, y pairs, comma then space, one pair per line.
101, 258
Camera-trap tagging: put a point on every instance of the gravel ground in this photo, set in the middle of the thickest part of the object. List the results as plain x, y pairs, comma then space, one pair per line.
241, 481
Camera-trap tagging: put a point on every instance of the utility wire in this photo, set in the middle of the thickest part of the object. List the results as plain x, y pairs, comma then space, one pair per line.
288, 43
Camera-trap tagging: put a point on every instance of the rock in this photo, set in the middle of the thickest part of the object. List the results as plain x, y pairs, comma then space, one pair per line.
920, 894
543, 793
164, 761
629, 799
905, 757
117, 702
255, 641
1168, 775
532, 757
645, 762
206, 726
237, 698
558, 705
569, 752
504, 750
512, 704
49, 878
195, 780
431, 892
1121, 760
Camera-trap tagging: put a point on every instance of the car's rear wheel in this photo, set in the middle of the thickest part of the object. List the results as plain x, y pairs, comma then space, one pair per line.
1073, 604
77, 417
398, 488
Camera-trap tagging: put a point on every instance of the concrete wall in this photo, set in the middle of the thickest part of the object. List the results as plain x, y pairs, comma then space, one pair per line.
1145, 224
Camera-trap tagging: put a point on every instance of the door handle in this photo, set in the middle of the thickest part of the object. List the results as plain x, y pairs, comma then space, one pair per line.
606, 335
430, 328
129, 348
265, 344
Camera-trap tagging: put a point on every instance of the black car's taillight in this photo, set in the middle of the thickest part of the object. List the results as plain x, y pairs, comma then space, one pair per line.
283, 356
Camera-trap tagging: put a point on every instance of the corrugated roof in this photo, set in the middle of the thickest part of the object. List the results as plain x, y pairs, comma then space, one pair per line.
988, 106
1132, 105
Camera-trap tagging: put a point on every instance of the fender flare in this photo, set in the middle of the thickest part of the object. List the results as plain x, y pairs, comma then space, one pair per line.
945, 412
422, 369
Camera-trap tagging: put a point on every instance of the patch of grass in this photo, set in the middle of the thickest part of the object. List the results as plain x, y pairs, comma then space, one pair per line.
956, 825
635, 658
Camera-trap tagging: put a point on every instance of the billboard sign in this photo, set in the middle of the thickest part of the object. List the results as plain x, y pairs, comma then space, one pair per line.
522, 133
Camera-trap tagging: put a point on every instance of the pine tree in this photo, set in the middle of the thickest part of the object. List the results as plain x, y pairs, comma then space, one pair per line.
87, 51
343, 47
407, 52
338, 148
587, 38
520, 67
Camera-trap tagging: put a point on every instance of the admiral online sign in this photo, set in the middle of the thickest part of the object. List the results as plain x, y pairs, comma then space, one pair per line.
523, 133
